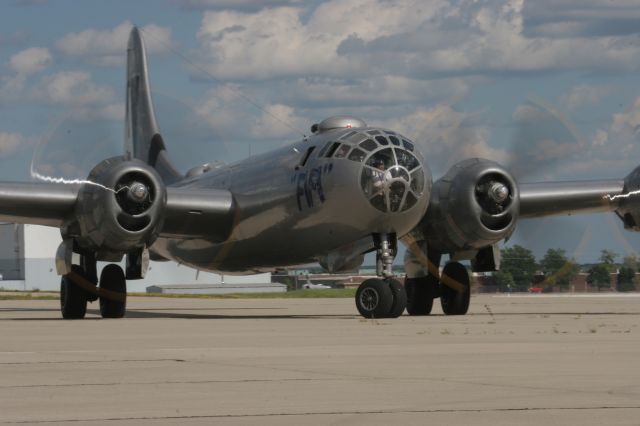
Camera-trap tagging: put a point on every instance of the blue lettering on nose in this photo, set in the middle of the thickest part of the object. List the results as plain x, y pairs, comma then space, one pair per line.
307, 185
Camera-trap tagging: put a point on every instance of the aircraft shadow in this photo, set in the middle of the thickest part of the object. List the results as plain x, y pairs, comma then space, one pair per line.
180, 313
191, 313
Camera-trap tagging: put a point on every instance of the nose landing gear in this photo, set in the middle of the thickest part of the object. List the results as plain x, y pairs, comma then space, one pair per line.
382, 297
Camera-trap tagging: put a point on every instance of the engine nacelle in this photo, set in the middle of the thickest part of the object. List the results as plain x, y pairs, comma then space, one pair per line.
474, 205
629, 206
119, 209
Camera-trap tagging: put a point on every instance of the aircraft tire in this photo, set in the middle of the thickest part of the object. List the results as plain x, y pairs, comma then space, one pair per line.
374, 298
455, 301
113, 292
399, 299
73, 298
420, 295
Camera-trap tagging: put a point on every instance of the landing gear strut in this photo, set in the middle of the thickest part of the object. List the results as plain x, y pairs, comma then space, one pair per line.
382, 297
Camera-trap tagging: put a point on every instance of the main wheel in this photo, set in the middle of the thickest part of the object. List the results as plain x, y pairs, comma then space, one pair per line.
73, 297
399, 299
420, 294
374, 298
455, 289
113, 292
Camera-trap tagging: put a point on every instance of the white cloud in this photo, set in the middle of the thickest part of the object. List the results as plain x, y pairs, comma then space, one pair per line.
245, 5
30, 61
10, 143
584, 95
410, 38
275, 42
620, 142
446, 136
72, 88
375, 90
278, 121
108, 47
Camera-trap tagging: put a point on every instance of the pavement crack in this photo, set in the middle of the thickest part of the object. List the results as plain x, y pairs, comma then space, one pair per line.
168, 382
91, 361
331, 413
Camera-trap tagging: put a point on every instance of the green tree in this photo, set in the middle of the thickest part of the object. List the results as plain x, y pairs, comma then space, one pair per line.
504, 280
521, 264
626, 279
599, 277
557, 269
631, 262
608, 259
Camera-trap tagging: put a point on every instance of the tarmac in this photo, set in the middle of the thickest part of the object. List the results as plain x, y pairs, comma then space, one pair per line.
525, 360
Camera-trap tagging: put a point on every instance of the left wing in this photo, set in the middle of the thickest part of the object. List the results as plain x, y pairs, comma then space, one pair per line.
568, 198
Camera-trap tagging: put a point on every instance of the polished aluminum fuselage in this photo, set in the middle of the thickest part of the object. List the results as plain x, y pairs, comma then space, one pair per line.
289, 213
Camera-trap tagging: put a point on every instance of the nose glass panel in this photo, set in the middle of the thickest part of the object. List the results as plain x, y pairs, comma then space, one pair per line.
392, 179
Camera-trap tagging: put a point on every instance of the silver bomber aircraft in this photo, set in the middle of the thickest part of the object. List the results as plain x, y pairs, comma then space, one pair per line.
346, 190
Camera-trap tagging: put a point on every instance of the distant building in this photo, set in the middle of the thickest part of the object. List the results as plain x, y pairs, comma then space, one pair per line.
578, 284
27, 262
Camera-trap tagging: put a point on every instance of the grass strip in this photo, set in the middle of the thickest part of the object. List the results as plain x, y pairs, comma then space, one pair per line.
299, 294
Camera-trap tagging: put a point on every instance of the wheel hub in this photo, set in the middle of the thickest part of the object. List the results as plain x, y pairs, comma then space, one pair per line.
369, 299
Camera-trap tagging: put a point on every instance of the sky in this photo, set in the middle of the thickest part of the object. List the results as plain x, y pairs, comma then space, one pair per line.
550, 88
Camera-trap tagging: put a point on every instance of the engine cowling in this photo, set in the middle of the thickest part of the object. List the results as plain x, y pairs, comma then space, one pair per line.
629, 206
119, 209
475, 204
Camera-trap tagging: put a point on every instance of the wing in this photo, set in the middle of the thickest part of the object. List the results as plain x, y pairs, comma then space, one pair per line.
187, 213
568, 198
49, 204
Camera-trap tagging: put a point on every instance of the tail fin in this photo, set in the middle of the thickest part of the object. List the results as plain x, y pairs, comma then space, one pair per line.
142, 135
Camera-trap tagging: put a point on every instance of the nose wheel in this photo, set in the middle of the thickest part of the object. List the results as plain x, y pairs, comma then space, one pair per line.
378, 298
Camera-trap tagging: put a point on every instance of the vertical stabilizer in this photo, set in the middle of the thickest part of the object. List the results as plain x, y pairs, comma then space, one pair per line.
142, 135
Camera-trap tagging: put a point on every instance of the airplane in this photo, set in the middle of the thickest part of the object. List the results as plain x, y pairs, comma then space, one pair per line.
346, 190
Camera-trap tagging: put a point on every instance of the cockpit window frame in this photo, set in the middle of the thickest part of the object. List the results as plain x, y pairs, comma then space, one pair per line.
331, 150
324, 149
305, 157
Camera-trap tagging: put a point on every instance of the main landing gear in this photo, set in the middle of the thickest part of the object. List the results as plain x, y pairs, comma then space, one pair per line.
81, 286
385, 297
453, 287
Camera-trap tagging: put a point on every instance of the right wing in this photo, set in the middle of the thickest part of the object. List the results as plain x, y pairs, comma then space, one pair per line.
37, 203
188, 213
